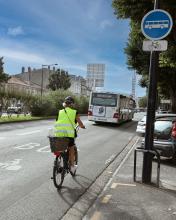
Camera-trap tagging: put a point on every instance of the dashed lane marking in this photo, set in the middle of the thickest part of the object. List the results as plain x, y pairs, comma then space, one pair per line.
106, 199
96, 216
121, 164
31, 132
114, 185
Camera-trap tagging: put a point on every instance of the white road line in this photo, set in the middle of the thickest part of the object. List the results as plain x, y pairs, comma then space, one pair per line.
96, 215
106, 199
43, 149
2, 138
31, 132
114, 185
118, 168
27, 146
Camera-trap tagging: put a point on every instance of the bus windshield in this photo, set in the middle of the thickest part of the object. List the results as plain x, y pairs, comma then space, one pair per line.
102, 99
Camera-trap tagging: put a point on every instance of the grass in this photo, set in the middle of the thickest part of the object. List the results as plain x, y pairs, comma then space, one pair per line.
16, 118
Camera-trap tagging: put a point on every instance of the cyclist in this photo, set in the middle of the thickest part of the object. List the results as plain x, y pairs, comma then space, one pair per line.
65, 127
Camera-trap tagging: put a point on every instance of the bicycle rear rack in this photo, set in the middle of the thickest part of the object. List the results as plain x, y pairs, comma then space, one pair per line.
154, 152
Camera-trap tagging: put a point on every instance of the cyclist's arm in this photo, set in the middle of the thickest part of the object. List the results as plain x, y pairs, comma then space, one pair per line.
79, 121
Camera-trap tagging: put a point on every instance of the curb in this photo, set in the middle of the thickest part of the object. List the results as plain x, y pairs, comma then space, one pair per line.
81, 207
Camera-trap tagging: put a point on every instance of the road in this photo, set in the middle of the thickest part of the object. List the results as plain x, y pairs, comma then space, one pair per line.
26, 189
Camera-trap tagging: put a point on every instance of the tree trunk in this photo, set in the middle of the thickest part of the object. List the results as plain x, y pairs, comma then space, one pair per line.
173, 100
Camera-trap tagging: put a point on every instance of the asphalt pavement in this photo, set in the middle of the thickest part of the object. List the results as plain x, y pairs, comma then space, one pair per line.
26, 189
124, 199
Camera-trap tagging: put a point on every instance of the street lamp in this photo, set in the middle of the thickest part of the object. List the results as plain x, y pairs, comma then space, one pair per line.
43, 65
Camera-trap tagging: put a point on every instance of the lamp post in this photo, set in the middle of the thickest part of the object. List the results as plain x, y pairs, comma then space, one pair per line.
43, 65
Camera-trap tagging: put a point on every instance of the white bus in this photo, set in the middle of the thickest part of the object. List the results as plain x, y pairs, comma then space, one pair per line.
110, 107
157, 24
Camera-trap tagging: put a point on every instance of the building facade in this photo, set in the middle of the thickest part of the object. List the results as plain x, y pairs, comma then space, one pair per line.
40, 78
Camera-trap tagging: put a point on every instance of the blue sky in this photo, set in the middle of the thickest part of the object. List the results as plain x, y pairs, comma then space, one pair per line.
71, 33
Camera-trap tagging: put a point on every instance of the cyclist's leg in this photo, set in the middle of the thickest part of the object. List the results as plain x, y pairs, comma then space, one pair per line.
72, 157
71, 152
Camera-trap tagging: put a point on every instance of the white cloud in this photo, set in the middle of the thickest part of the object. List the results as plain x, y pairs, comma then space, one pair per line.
23, 56
106, 23
15, 31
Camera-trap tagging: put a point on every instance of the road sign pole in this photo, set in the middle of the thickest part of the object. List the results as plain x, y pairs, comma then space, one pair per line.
151, 107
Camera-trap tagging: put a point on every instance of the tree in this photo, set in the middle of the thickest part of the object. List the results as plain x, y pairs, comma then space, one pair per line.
3, 76
143, 102
138, 59
59, 80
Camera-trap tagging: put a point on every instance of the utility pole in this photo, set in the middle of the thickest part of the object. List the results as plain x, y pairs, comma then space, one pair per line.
134, 85
151, 107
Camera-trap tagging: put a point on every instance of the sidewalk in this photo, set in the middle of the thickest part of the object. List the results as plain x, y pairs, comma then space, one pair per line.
123, 199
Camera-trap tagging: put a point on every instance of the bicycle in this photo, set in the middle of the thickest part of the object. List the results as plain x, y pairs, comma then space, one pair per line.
59, 146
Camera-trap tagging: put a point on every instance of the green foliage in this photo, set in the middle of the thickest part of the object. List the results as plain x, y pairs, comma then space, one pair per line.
16, 118
81, 104
43, 108
140, 60
52, 103
143, 102
9, 95
3, 76
59, 80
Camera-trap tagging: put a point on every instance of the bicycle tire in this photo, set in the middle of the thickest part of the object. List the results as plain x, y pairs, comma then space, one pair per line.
58, 172
76, 160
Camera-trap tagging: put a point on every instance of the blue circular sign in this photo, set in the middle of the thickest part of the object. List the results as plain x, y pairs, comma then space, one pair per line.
156, 24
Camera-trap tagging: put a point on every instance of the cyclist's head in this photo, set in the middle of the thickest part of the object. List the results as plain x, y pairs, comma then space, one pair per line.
69, 100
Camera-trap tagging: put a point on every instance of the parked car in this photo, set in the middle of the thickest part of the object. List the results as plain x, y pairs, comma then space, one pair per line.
165, 135
14, 109
141, 126
163, 112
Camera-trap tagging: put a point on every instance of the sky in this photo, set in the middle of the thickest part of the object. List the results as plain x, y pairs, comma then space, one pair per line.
71, 33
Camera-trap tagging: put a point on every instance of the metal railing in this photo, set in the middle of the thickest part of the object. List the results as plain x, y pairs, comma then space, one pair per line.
153, 152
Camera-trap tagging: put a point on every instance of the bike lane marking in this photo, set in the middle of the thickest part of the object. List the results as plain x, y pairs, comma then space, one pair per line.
31, 132
27, 146
30, 146
13, 165
42, 150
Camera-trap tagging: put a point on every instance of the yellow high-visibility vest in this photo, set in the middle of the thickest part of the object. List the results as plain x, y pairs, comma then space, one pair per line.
64, 126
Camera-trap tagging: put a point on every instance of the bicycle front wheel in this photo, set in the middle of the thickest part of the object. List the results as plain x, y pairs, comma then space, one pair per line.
58, 172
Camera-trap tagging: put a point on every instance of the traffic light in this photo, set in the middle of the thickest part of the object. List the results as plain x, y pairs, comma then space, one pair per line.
1, 65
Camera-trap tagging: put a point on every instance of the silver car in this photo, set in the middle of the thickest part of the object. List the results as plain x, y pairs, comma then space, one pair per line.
165, 135
141, 126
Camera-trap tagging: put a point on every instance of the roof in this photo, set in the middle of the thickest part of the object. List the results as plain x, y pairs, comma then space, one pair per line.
15, 80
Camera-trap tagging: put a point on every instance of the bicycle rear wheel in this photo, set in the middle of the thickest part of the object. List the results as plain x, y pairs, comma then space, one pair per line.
58, 172
76, 161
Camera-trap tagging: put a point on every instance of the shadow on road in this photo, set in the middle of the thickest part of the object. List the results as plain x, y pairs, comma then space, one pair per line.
71, 195
120, 127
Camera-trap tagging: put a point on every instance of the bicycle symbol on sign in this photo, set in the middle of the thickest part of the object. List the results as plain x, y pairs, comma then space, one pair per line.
155, 45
